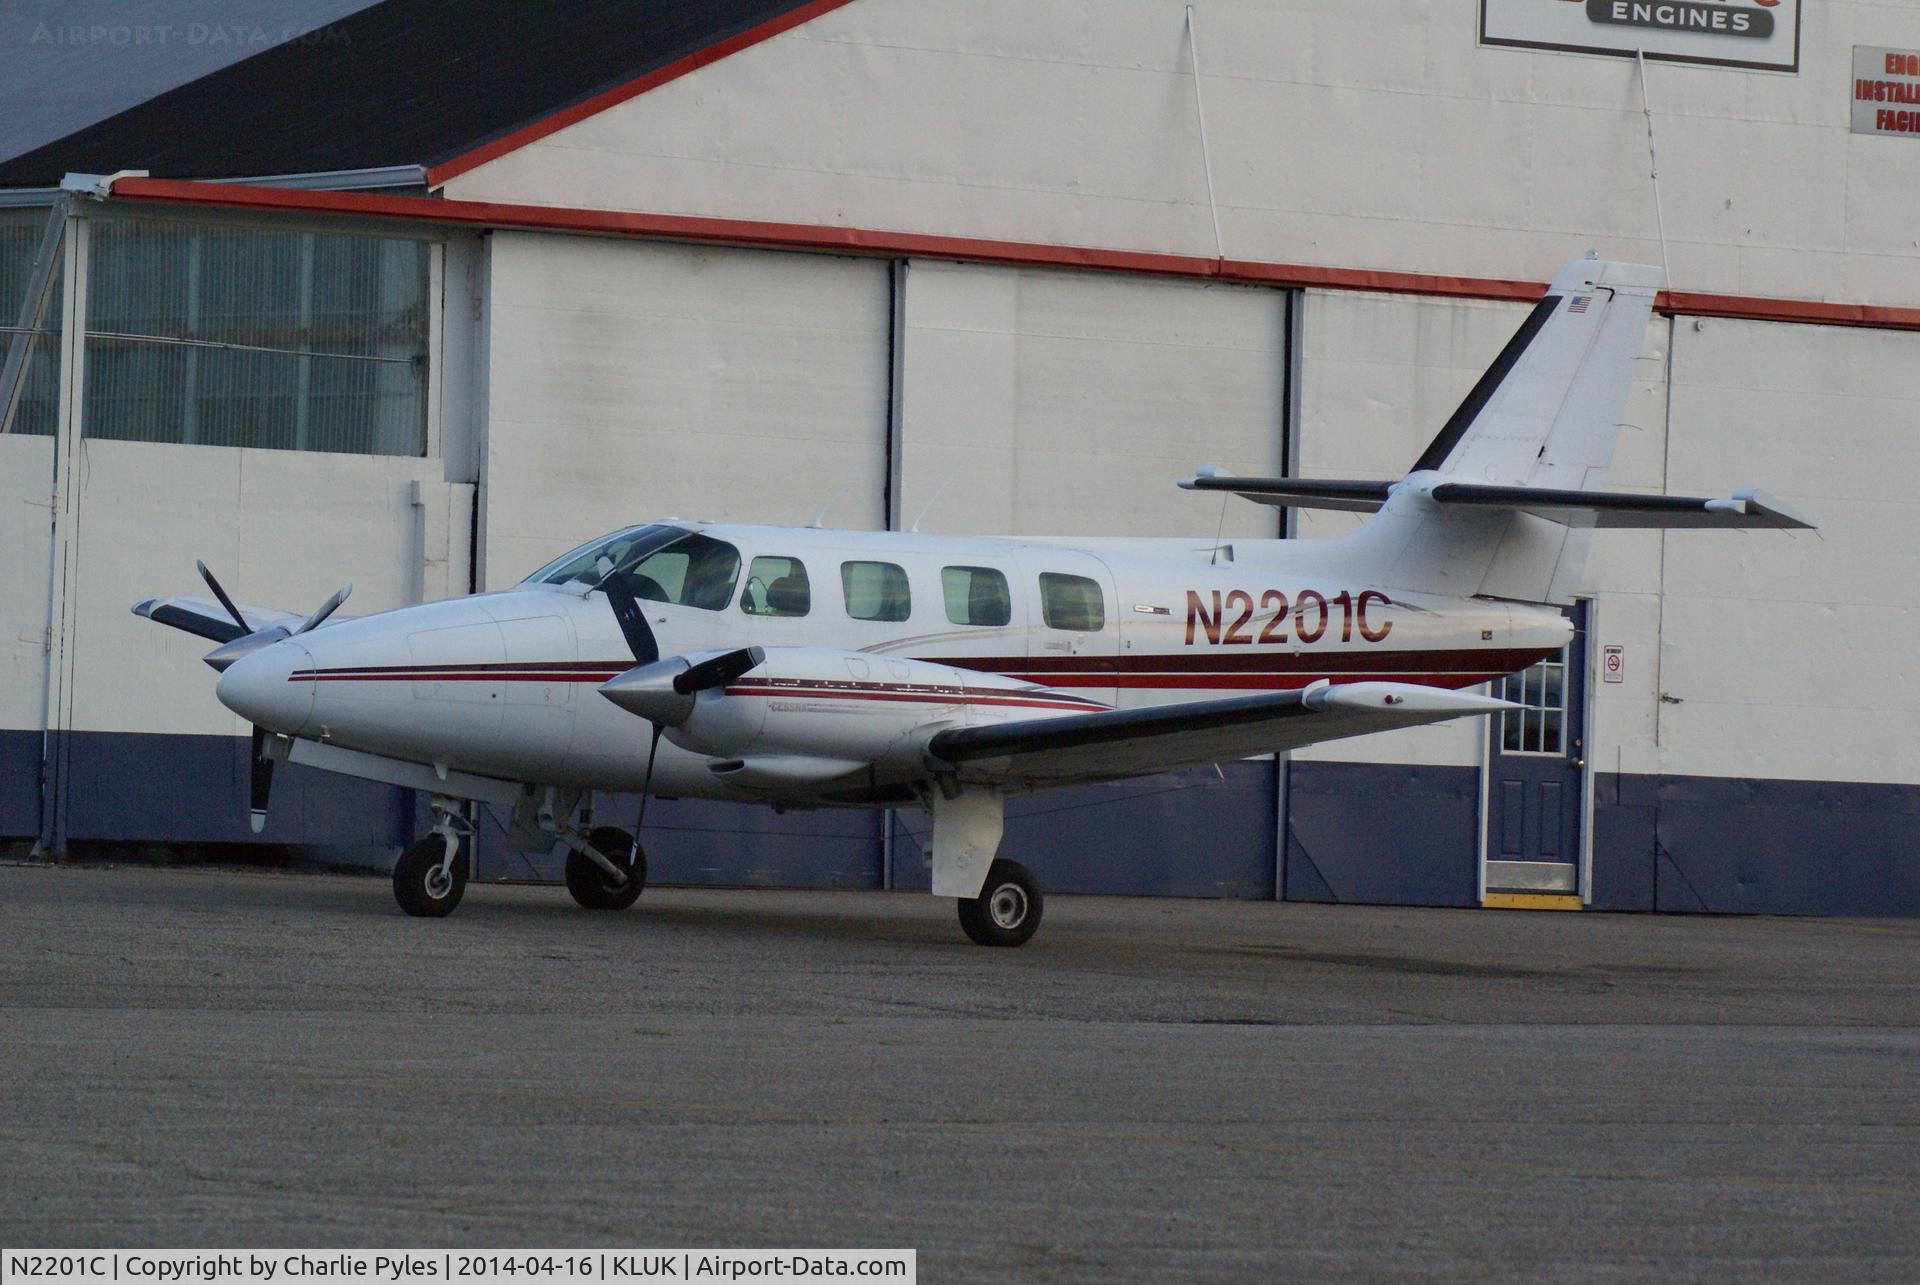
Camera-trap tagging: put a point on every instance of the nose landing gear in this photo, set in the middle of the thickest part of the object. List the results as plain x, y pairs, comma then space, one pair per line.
431, 875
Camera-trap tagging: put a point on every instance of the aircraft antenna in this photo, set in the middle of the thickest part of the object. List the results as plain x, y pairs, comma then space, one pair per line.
928, 506
834, 499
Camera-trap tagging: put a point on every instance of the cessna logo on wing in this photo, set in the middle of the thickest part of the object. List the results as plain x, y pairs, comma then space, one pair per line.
1709, 17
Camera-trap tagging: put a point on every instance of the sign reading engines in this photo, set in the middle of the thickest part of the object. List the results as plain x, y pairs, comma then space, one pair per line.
1886, 91
1725, 33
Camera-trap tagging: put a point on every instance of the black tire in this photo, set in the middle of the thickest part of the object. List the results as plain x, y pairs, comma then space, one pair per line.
1007, 911
591, 886
414, 886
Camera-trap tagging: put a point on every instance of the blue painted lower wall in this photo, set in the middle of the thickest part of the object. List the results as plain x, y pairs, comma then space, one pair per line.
1693, 843
1355, 832
1400, 836
19, 784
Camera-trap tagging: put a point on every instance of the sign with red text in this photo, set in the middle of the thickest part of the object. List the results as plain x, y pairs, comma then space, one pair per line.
1763, 34
1886, 91
1613, 664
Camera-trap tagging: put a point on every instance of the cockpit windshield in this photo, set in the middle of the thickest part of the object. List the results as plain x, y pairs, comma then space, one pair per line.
622, 548
657, 563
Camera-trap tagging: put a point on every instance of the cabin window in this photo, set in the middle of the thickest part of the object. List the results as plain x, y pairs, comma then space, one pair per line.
875, 591
697, 571
976, 596
1072, 602
777, 587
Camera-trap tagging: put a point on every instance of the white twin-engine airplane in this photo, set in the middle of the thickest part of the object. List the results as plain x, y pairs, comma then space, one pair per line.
817, 668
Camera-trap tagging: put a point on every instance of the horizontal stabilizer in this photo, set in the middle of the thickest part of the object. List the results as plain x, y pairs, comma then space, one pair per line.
1295, 492
1742, 509
1111, 744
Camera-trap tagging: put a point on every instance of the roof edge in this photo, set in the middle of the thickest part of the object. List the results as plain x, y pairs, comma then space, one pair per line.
879, 243
552, 123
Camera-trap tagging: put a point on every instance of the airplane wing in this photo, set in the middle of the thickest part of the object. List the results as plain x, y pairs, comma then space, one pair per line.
209, 619
1110, 744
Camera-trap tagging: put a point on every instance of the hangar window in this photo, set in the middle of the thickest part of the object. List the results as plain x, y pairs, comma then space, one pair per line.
252, 336
1072, 602
976, 596
875, 591
777, 587
38, 403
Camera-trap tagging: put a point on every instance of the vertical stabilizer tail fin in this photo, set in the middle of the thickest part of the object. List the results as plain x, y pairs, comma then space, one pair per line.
1546, 414
1547, 411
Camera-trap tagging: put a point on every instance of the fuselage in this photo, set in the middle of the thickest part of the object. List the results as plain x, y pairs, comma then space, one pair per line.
504, 684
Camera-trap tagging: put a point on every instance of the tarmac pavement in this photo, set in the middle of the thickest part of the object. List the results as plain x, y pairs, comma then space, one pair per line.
1152, 1089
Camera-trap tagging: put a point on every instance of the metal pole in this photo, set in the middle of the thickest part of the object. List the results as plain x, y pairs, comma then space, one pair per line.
1206, 157
57, 720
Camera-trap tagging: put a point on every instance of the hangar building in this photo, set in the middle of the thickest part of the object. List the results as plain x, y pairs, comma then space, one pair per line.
423, 300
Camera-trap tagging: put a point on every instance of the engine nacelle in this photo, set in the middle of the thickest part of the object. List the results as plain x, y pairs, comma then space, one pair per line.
807, 715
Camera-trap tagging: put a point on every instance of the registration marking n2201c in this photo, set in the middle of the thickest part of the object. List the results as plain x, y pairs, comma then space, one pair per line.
1231, 619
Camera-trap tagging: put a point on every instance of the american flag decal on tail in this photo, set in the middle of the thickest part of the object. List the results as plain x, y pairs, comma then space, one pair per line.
1580, 302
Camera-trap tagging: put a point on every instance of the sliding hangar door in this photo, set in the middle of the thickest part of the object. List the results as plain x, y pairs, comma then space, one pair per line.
632, 380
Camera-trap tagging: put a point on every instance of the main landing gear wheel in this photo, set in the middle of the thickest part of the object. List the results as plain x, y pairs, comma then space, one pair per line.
1008, 909
593, 887
430, 876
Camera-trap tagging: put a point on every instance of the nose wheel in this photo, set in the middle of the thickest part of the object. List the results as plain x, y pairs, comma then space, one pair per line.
431, 875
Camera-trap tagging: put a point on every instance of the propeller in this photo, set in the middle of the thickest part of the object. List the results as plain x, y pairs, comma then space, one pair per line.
245, 642
631, 615
660, 691
249, 639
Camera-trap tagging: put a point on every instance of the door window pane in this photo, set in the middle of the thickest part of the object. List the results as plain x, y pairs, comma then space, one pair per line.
1539, 726
1072, 602
776, 587
875, 591
976, 596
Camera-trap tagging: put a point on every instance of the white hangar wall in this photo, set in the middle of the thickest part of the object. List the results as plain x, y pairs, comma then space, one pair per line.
629, 381
1069, 403
1791, 656
26, 481
1374, 135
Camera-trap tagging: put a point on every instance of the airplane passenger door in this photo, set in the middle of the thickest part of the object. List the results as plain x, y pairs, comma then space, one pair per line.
1536, 795
1073, 640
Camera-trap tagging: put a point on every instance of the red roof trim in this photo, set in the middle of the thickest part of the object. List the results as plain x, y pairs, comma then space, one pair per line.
805, 236
533, 133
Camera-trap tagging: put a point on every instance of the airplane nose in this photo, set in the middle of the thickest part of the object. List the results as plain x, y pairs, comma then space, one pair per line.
271, 688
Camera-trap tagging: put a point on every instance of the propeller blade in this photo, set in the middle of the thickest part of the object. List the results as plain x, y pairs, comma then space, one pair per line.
717, 672
633, 620
260, 780
225, 601
327, 608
